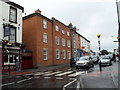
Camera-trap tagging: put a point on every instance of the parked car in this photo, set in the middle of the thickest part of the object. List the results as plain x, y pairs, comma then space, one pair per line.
95, 58
85, 61
105, 60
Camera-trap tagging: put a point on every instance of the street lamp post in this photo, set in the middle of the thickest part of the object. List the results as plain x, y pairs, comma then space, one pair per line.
99, 42
118, 27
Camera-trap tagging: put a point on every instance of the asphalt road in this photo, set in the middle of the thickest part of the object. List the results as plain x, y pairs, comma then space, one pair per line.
65, 78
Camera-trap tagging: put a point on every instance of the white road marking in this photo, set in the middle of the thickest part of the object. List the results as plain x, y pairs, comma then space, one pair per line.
47, 77
17, 82
59, 78
7, 84
69, 84
52, 73
24, 80
29, 74
36, 77
41, 73
64, 73
37, 74
75, 74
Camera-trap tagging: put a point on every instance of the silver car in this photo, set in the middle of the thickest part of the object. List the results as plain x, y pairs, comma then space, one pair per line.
105, 60
85, 61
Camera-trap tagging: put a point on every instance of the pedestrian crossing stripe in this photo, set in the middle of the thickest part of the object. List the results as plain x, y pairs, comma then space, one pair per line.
49, 74
41, 73
75, 74
47, 77
64, 73
59, 78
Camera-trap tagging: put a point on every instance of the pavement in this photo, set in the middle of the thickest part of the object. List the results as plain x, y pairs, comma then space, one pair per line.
107, 79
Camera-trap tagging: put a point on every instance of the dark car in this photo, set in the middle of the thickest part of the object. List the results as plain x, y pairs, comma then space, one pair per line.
85, 61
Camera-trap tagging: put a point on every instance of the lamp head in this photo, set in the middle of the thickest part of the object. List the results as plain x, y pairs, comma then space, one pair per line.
98, 35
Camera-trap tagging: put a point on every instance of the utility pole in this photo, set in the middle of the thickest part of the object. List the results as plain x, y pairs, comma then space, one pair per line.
118, 8
99, 42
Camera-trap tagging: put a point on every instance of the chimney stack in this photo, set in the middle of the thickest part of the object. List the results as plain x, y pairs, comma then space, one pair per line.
38, 11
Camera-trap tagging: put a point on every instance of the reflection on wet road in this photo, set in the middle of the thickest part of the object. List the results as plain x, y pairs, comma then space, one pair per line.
64, 77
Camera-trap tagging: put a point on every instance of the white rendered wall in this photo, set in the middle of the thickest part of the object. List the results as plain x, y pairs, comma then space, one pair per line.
4, 14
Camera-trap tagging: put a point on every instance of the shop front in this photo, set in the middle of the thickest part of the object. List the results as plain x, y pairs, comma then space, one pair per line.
9, 54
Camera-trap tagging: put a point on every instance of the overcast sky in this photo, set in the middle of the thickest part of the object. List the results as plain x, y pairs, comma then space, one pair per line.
91, 17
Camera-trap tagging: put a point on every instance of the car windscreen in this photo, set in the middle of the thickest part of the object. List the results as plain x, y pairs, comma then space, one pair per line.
84, 58
105, 57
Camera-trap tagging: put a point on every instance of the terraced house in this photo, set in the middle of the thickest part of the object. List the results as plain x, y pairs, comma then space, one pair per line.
49, 39
10, 33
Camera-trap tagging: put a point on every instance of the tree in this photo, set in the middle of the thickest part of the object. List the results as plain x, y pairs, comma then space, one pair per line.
104, 52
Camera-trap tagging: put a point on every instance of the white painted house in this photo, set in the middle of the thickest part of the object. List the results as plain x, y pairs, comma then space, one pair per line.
10, 21
10, 31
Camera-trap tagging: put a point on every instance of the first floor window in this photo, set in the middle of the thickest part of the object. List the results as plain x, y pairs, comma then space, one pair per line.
57, 54
57, 40
69, 56
12, 35
45, 54
68, 33
45, 37
63, 42
68, 43
10, 32
64, 54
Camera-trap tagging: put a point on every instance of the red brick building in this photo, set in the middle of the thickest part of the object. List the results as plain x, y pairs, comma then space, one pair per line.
47, 39
61, 42
37, 35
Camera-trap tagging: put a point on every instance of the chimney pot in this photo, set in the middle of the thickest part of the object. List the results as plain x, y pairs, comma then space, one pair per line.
38, 11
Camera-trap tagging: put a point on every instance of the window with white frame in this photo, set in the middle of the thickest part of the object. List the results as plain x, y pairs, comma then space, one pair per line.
69, 56
63, 42
44, 24
45, 54
63, 31
45, 37
57, 54
57, 39
13, 14
64, 54
74, 45
68, 33
56, 28
10, 59
68, 43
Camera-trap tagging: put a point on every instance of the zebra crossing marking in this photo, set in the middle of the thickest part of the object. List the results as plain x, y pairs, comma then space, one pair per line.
49, 74
59, 78
41, 73
47, 77
75, 74
64, 73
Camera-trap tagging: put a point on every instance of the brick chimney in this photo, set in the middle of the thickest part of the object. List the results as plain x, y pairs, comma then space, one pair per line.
38, 11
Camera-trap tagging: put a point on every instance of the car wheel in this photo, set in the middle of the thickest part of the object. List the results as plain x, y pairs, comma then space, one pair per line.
110, 64
76, 67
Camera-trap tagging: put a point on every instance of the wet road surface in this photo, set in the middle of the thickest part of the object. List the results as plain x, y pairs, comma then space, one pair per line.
60, 78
